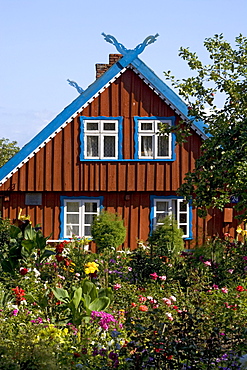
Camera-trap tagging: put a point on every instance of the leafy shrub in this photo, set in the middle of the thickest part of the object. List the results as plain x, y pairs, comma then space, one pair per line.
167, 239
108, 231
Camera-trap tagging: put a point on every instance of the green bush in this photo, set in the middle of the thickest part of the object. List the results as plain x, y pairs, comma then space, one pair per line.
167, 239
108, 231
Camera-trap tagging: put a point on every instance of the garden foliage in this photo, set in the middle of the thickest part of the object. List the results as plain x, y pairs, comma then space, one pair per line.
182, 311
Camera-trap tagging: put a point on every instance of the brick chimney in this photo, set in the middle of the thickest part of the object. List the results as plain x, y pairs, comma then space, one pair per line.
102, 68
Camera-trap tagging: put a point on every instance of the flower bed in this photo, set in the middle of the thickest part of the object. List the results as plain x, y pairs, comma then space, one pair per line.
66, 308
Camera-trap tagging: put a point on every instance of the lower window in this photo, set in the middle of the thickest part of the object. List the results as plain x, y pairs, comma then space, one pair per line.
77, 215
176, 206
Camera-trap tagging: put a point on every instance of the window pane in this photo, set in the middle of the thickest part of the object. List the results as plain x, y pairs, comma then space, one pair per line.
163, 146
160, 217
146, 126
162, 206
183, 218
184, 228
146, 146
70, 230
73, 219
91, 207
89, 219
87, 230
92, 146
110, 126
183, 206
92, 126
72, 206
109, 146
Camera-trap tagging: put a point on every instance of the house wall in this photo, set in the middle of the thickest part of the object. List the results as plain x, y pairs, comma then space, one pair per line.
126, 185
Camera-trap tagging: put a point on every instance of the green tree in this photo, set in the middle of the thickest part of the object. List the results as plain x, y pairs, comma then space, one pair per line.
221, 170
7, 150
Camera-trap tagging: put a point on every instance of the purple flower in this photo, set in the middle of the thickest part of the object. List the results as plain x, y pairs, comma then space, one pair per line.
105, 318
14, 312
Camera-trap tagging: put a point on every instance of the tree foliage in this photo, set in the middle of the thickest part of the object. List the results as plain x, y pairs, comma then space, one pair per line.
221, 170
7, 150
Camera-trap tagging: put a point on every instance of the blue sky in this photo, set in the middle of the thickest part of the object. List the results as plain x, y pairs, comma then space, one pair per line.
45, 42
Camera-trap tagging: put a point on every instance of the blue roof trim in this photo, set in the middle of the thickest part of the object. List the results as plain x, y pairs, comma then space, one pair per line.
82, 99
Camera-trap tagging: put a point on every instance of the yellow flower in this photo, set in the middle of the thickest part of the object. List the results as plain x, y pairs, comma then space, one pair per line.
239, 229
91, 267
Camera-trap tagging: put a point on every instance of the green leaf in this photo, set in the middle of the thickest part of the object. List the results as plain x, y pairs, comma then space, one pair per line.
61, 294
28, 245
77, 297
99, 304
29, 233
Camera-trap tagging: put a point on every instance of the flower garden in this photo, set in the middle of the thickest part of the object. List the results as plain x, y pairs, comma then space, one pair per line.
64, 307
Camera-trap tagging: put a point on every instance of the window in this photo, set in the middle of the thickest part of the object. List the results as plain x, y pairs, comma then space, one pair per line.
164, 206
77, 215
149, 144
101, 138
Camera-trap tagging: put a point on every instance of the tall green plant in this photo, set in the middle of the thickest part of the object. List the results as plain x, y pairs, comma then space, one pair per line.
108, 231
167, 239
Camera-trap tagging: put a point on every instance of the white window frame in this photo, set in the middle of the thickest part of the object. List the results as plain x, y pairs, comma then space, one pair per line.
82, 215
173, 208
101, 134
154, 134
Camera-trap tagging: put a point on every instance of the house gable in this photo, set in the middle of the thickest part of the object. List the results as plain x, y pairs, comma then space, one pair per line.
129, 61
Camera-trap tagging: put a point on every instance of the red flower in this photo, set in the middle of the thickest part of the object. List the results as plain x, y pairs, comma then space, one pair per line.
133, 304
59, 258
19, 294
23, 271
76, 354
143, 308
240, 288
59, 248
67, 262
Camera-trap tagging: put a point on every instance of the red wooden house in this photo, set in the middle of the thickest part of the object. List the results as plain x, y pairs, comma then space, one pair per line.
103, 150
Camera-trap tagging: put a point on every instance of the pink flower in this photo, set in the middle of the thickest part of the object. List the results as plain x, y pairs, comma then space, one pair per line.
169, 316
154, 276
117, 286
207, 263
167, 301
224, 290
230, 271
163, 277
142, 299
215, 286
245, 258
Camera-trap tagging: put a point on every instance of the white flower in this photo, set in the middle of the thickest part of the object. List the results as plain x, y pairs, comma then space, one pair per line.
172, 298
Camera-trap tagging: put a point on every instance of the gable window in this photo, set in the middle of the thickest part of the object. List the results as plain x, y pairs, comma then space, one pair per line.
176, 206
77, 215
101, 138
149, 143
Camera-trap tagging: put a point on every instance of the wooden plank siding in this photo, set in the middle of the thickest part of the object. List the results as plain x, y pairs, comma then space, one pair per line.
126, 186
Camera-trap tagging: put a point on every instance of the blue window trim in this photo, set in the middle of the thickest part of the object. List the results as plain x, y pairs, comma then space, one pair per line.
152, 199
120, 137
62, 198
136, 138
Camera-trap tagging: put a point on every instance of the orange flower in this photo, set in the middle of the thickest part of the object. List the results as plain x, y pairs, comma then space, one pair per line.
143, 308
